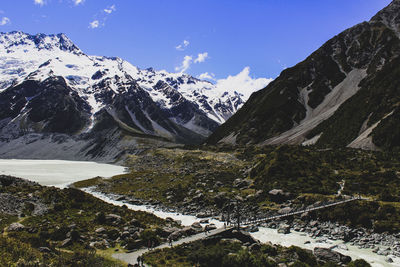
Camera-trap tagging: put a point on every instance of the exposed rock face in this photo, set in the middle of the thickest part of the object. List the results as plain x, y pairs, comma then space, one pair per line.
327, 255
332, 97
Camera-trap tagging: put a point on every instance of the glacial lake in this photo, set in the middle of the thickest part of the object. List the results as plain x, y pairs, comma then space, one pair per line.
58, 173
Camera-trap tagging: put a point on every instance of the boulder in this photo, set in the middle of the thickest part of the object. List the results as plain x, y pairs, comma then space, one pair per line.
254, 247
278, 195
242, 183
113, 234
113, 219
67, 242
175, 235
15, 227
285, 210
100, 230
44, 249
326, 255
284, 229
197, 225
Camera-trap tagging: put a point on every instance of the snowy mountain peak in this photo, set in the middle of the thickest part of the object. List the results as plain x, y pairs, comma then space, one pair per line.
170, 105
22, 42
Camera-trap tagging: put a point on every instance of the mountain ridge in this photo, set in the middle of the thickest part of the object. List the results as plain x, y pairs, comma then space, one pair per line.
322, 100
105, 96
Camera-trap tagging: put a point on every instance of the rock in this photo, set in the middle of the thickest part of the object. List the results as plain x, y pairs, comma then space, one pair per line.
136, 223
67, 242
175, 235
242, 183
204, 221
168, 219
284, 229
231, 240
254, 247
202, 215
325, 255
388, 259
285, 210
277, 195
253, 229
221, 198
100, 230
188, 231
275, 192
197, 225
15, 227
113, 234
133, 244
125, 235
210, 227
44, 250
113, 219
98, 245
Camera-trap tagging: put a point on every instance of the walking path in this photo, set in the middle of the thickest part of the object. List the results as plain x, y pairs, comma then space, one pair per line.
132, 256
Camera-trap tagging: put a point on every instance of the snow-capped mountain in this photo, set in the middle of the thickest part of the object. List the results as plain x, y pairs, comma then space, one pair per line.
49, 86
188, 102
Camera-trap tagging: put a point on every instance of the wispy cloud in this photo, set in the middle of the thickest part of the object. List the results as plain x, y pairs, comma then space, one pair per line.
182, 46
110, 9
101, 17
207, 76
4, 21
187, 61
40, 2
78, 2
201, 57
94, 24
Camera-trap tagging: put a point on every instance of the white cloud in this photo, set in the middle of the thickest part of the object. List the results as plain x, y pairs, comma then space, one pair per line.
187, 61
40, 2
94, 24
78, 2
242, 83
207, 76
110, 9
201, 57
5, 21
101, 17
182, 46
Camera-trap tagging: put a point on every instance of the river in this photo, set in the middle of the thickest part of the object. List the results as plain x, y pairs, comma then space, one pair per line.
60, 173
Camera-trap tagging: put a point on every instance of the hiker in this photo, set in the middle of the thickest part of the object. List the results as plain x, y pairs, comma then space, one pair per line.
224, 225
170, 241
149, 245
139, 260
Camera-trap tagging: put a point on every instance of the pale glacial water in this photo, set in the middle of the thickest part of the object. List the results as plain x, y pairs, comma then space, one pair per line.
57, 173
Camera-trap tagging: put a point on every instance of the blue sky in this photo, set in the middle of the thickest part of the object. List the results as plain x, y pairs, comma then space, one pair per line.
218, 37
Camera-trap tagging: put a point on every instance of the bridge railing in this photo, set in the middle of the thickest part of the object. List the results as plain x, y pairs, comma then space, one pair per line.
325, 205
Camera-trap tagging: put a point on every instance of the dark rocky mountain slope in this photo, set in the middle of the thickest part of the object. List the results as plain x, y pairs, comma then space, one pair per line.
347, 93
